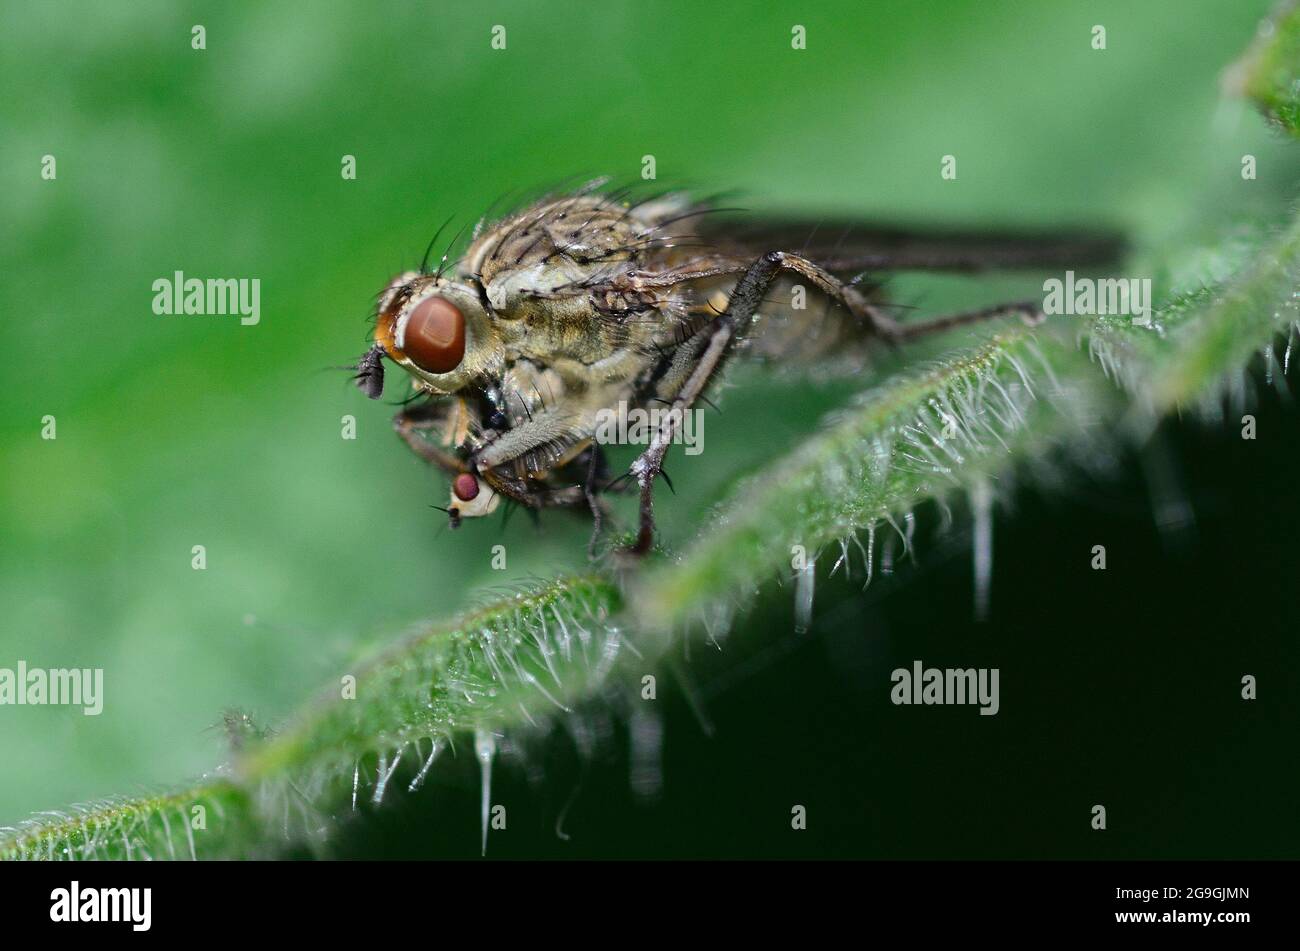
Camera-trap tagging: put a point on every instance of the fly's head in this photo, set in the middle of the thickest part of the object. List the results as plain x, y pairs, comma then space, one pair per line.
471, 497
436, 329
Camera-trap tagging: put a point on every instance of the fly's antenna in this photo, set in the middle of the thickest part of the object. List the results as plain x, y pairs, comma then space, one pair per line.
370, 372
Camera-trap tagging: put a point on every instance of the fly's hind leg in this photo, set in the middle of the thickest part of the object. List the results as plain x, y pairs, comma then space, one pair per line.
878, 322
874, 319
1031, 312
700, 357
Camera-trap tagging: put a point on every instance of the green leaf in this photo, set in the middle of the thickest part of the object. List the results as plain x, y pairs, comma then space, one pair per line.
207, 821
1269, 73
1201, 341
913, 439
1067, 393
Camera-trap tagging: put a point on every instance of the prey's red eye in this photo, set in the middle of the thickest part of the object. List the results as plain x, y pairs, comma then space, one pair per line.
466, 487
434, 336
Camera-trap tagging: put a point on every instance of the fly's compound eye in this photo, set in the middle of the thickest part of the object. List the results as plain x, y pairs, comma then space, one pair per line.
433, 336
468, 500
465, 487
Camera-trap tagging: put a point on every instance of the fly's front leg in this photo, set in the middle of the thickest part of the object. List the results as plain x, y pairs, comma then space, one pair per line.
536, 443
549, 439
408, 424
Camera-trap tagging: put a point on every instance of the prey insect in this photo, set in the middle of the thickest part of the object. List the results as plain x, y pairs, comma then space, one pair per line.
584, 302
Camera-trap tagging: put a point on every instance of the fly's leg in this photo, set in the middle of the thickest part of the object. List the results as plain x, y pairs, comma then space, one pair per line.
597, 470
695, 363
538, 445
1031, 312
875, 319
550, 429
881, 323
408, 424
715, 342
700, 357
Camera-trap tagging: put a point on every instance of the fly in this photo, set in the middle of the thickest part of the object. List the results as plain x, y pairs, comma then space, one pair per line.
585, 302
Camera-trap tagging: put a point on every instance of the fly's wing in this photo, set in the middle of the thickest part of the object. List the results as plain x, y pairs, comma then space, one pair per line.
842, 246
824, 335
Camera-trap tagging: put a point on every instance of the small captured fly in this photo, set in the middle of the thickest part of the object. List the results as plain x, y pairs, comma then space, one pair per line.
588, 301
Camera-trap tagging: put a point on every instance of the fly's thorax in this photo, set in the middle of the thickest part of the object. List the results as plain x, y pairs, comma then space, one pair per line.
552, 329
510, 288
437, 329
578, 231
560, 277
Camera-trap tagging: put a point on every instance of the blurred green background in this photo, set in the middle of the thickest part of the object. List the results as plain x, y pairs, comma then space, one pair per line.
179, 431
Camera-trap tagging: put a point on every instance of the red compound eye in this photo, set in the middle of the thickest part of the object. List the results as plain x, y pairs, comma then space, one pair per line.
434, 337
465, 487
